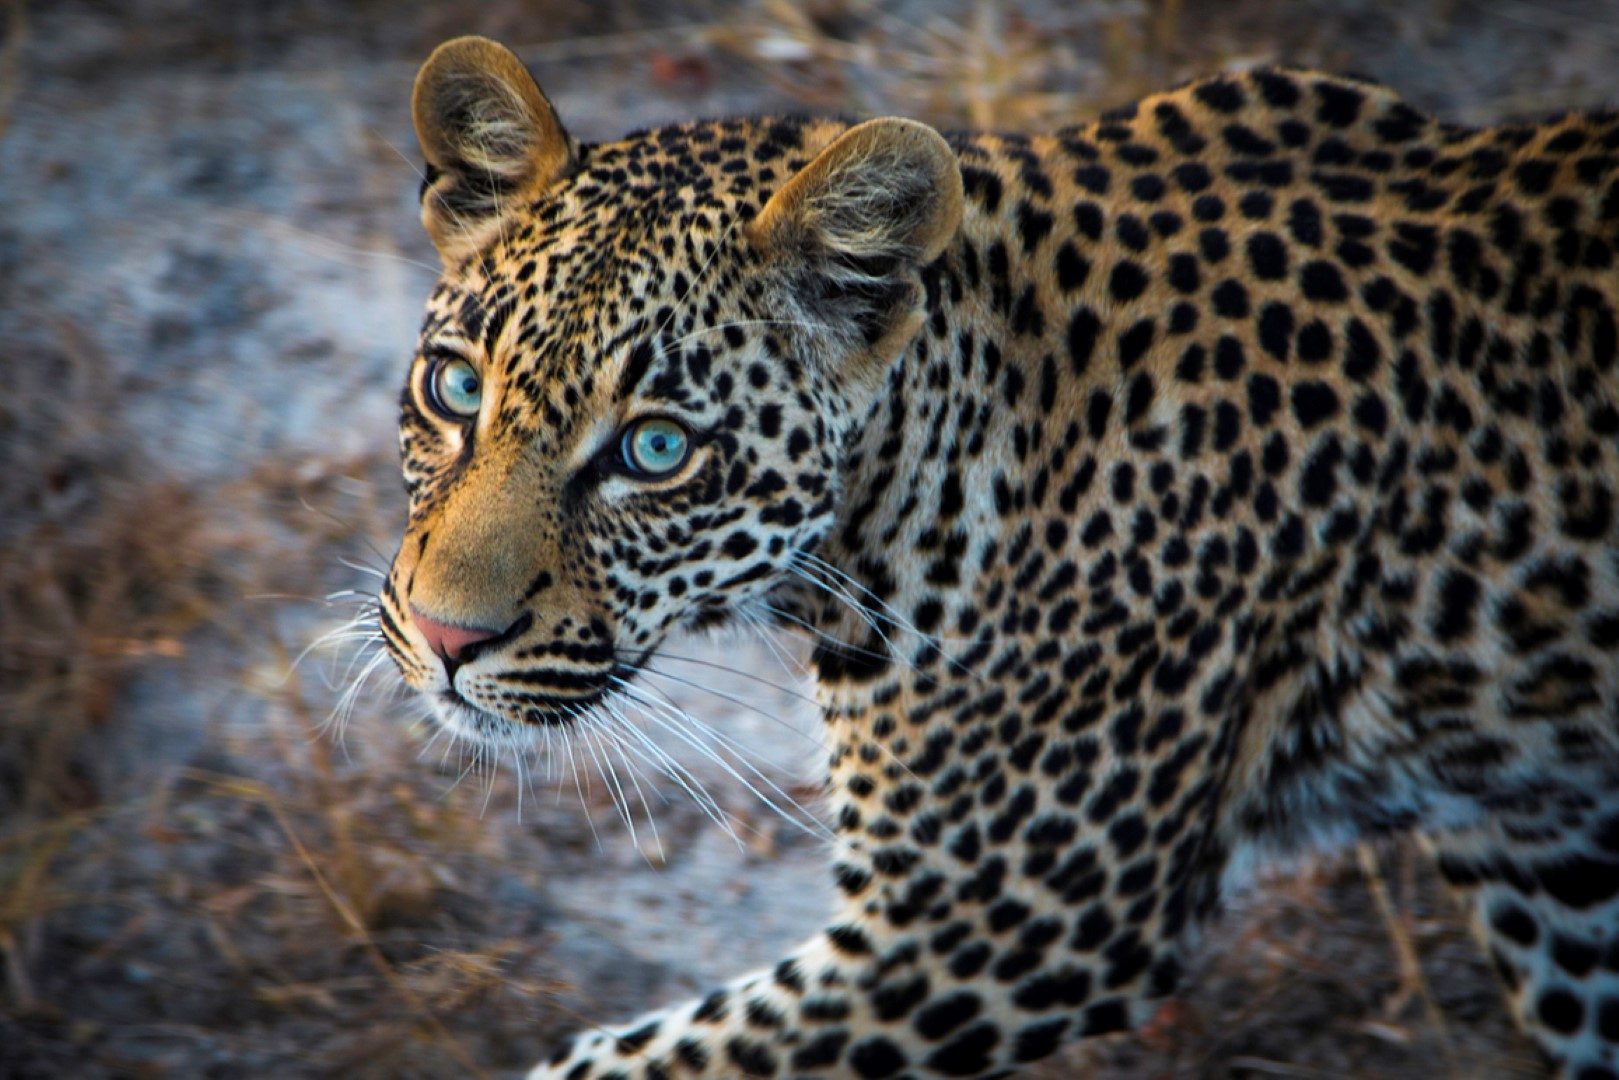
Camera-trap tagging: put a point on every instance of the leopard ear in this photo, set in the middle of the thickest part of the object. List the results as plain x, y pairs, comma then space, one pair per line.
490, 137
853, 226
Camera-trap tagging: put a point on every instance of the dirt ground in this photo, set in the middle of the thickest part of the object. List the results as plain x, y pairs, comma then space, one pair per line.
210, 277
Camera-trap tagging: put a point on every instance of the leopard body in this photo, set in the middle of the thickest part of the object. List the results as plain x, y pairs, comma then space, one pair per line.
1231, 475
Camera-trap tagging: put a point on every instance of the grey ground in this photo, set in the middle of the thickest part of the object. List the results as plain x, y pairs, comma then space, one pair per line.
210, 277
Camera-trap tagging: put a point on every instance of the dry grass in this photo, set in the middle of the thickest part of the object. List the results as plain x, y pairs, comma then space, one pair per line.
101, 571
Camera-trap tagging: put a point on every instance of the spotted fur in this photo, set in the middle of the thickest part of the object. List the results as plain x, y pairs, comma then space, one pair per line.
1230, 475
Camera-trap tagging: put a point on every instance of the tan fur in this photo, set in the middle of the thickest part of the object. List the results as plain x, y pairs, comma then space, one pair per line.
477, 109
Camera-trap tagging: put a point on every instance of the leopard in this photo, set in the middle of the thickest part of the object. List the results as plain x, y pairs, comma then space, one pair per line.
1227, 477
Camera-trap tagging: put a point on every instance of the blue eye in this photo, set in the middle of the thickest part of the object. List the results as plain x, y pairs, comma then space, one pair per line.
454, 388
655, 447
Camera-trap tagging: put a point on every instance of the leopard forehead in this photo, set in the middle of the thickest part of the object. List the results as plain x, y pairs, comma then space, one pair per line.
638, 245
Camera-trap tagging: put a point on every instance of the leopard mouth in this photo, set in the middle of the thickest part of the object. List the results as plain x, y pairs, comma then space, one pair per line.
533, 712
467, 718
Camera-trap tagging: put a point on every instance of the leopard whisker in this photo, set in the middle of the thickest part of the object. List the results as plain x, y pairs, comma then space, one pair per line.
831, 639
594, 728
654, 755
363, 568
734, 324
337, 720
578, 787
613, 738
697, 278
748, 675
742, 703
767, 634
609, 775
692, 731
933, 641
466, 766
490, 771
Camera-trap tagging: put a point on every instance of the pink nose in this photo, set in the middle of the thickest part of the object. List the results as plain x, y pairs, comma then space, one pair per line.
446, 640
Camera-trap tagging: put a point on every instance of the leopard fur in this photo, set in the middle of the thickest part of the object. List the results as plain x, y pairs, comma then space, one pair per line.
1232, 475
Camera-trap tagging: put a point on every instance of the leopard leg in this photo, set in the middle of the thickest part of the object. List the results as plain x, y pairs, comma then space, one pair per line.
1543, 889
965, 997
966, 942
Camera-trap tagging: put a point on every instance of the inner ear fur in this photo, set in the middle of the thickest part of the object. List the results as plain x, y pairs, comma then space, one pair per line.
854, 225
490, 137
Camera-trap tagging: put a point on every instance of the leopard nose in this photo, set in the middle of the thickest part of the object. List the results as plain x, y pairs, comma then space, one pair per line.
447, 641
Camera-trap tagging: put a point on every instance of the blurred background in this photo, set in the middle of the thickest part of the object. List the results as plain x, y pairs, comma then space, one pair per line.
210, 279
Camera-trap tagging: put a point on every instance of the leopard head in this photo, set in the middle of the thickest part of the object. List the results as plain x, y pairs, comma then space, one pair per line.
635, 379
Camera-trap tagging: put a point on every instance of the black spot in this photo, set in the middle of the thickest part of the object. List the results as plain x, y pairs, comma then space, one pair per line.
968, 1053
1106, 1016
1314, 403
820, 1051
1414, 247
1183, 275
895, 1001
1064, 987
1147, 187
740, 545
1083, 329
1267, 256
631, 1041
1320, 280
1318, 482
1608, 1020
1580, 881
1363, 357
1371, 414
1034, 225
1264, 398
1228, 358
1127, 281
1230, 299
939, 1018
1304, 222
1134, 343
1535, 175
849, 940
1132, 233
753, 1058
1458, 599
1040, 1040
1220, 94
1072, 269
1276, 329
1560, 1010
1092, 178
1576, 957
1191, 177
876, 1057
1208, 208
1277, 89
1256, 205
692, 1054
982, 186
1214, 244
1227, 425
1515, 924
1340, 105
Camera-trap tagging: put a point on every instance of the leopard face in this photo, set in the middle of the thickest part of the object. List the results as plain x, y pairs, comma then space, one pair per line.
633, 385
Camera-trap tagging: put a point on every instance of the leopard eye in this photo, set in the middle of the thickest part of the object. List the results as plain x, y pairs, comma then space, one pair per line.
655, 447
454, 389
